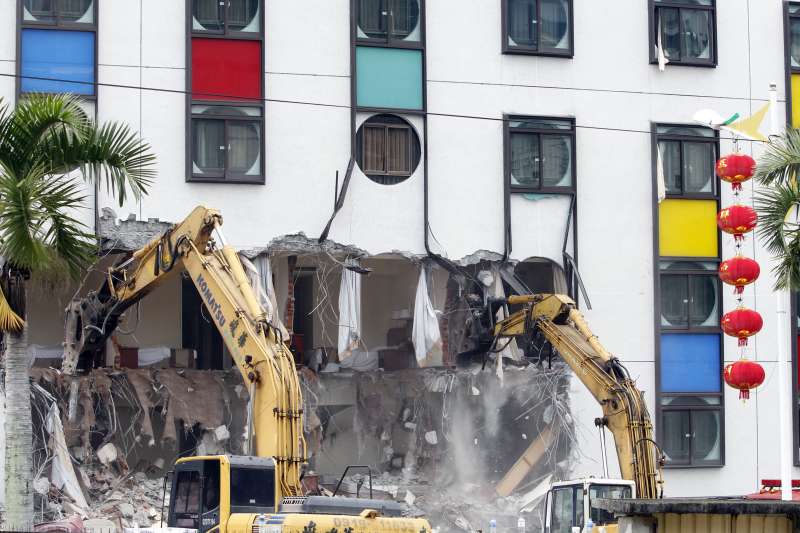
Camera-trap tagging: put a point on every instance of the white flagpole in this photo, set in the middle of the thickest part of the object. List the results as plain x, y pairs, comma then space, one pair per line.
781, 297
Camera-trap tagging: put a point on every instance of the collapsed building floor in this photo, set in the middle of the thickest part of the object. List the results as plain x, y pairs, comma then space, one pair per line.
454, 446
456, 435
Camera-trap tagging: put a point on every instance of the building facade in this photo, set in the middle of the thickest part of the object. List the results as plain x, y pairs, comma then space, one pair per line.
479, 131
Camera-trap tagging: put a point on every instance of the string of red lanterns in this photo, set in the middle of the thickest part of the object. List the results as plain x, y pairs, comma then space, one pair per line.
739, 271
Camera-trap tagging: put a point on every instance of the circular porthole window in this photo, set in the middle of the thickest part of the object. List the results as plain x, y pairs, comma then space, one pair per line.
242, 15
382, 19
688, 300
226, 141
387, 149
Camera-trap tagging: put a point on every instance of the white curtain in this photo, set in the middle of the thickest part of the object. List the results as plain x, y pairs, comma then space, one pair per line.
498, 291
425, 334
349, 313
259, 273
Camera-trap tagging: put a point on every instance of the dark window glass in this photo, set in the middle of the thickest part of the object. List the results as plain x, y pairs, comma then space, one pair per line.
525, 159
538, 24
389, 19
676, 435
243, 15
691, 298
540, 154
208, 15
52, 11
209, 146
244, 147
387, 149
698, 166
187, 499
252, 487
691, 431
686, 34
794, 36
674, 301
211, 493
671, 160
601, 517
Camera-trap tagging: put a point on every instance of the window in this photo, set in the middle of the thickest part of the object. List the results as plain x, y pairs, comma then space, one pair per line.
58, 12
541, 27
231, 16
389, 21
227, 143
687, 156
567, 509
793, 12
187, 499
690, 295
540, 155
255, 487
685, 30
601, 517
692, 429
387, 149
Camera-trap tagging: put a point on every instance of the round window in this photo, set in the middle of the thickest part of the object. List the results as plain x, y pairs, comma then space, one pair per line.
68, 11
387, 149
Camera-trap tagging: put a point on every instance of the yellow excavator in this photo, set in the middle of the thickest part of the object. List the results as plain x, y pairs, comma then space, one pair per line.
256, 493
554, 320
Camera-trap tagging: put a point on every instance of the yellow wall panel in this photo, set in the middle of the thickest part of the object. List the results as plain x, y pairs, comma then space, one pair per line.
722, 523
687, 228
796, 100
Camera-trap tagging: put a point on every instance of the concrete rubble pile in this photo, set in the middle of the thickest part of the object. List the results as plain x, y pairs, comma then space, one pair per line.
105, 454
449, 444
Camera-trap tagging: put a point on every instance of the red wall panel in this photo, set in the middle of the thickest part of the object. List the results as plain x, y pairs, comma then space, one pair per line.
227, 68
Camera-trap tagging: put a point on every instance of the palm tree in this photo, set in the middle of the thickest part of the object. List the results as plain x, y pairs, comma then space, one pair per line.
49, 148
777, 170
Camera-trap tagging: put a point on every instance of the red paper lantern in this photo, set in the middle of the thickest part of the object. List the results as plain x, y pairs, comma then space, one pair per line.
741, 323
739, 271
735, 169
744, 375
737, 220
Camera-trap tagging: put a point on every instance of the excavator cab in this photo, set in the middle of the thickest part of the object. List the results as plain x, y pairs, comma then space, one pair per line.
207, 489
568, 506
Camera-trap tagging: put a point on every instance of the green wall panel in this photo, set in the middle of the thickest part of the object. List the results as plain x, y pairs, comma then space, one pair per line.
388, 77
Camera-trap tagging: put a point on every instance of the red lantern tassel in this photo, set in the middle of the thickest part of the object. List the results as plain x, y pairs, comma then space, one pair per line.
742, 341
739, 289
738, 237
744, 394
736, 186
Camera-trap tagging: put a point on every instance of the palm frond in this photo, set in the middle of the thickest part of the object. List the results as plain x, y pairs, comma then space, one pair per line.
112, 154
780, 162
9, 320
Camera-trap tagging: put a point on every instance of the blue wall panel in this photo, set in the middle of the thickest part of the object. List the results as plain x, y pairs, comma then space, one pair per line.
58, 54
388, 77
690, 363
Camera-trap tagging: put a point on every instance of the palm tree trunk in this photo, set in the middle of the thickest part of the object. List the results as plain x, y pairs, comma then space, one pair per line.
18, 515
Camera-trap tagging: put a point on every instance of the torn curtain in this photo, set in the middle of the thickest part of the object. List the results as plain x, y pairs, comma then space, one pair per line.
349, 313
425, 334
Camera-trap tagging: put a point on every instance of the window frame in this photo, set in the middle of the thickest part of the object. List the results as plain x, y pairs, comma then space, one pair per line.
226, 176
190, 176
653, 6
689, 274
386, 126
692, 409
57, 24
227, 33
683, 139
537, 50
659, 329
388, 42
541, 189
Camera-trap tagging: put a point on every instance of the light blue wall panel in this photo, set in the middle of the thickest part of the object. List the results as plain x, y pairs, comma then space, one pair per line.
388, 77
61, 55
690, 363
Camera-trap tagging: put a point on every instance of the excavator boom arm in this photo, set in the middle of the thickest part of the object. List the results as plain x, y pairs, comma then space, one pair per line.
624, 410
196, 247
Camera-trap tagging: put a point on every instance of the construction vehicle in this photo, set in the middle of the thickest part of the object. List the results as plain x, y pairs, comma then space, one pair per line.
553, 321
260, 492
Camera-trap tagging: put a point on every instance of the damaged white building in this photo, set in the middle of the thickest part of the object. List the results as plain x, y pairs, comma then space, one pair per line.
380, 163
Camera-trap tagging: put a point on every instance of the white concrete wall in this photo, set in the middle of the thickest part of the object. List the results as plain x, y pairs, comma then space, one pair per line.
608, 84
